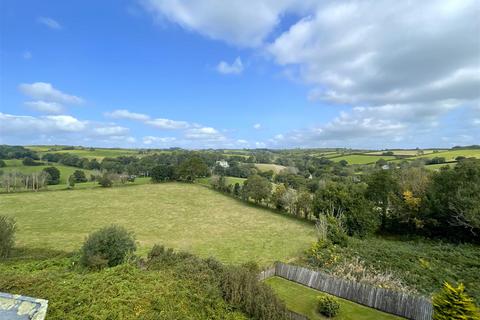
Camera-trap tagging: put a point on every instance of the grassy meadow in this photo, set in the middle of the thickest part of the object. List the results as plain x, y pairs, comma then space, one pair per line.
65, 171
96, 153
361, 159
276, 168
182, 216
303, 300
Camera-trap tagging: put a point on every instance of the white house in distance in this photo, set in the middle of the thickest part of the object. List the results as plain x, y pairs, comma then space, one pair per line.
222, 163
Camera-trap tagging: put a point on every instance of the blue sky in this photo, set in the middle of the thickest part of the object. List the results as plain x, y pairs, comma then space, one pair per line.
210, 73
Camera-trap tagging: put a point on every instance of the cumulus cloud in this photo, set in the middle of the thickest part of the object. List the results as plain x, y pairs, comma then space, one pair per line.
49, 22
17, 129
362, 51
46, 92
125, 114
257, 126
149, 140
44, 106
204, 133
236, 21
235, 67
168, 124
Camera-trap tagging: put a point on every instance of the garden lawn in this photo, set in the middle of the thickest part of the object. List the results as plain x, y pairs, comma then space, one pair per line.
183, 216
303, 300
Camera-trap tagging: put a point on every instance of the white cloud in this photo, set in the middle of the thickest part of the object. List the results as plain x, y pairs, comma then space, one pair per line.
111, 131
49, 22
16, 129
242, 141
236, 21
125, 114
168, 124
360, 51
257, 126
44, 106
235, 67
148, 140
204, 133
46, 92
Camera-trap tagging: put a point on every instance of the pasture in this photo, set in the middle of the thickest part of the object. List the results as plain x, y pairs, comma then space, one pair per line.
182, 216
276, 168
450, 155
303, 300
361, 159
65, 171
94, 153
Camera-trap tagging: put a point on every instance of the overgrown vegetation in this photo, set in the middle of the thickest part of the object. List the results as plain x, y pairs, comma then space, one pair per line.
7, 235
108, 246
454, 304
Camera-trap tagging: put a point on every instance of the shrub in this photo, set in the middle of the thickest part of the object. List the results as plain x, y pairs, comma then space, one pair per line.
7, 235
71, 182
241, 288
2, 163
328, 306
453, 303
107, 247
79, 176
105, 181
53, 175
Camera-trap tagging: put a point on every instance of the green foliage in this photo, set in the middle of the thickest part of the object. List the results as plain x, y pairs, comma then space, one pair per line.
2, 163
105, 181
30, 162
192, 168
79, 176
162, 173
327, 305
257, 188
453, 201
183, 290
53, 175
7, 235
241, 288
107, 247
454, 304
71, 182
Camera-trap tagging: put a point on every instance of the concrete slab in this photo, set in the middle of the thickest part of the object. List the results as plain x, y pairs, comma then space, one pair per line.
17, 307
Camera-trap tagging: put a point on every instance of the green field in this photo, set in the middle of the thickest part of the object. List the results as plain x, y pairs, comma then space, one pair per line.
65, 171
98, 154
228, 180
405, 152
183, 216
276, 168
303, 300
361, 159
452, 154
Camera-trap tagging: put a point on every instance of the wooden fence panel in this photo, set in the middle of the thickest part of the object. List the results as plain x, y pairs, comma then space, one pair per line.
390, 301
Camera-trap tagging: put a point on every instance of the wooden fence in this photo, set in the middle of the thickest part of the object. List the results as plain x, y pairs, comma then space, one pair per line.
390, 301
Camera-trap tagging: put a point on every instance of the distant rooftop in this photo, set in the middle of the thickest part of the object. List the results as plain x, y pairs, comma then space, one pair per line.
16, 307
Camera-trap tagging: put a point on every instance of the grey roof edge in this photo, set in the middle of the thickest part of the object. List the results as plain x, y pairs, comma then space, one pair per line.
41, 304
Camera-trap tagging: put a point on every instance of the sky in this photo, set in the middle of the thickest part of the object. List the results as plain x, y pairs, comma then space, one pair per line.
240, 73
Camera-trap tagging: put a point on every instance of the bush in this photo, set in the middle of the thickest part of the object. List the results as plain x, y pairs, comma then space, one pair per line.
107, 247
2, 163
105, 181
79, 176
328, 306
453, 303
30, 162
7, 235
53, 175
241, 288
